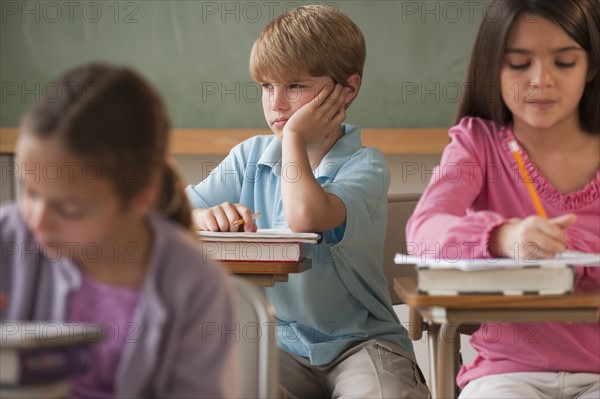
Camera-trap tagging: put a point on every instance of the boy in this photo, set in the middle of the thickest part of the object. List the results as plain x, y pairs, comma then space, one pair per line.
337, 331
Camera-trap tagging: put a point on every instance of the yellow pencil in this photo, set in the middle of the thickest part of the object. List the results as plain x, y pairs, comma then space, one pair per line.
514, 148
240, 222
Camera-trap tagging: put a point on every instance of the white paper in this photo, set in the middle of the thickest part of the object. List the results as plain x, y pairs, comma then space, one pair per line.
262, 235
561, 260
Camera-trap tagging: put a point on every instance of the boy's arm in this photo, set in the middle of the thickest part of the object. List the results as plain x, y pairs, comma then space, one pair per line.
306, 205
214, 200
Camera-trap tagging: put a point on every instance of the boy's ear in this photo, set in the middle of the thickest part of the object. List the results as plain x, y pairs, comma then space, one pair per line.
351, 88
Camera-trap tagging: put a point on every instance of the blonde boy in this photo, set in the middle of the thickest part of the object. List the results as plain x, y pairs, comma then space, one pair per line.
337, 331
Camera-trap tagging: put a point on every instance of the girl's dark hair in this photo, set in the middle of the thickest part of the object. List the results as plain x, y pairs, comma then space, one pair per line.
112, 117
580, 19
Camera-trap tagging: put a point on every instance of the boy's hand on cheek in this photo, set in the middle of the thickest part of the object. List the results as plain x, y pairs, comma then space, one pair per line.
315, 120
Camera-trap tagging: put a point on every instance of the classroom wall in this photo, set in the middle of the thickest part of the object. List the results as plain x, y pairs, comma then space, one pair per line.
7, 185
409, 173
196, 53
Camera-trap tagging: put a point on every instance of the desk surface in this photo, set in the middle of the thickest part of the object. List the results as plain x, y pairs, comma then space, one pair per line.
407, 290
266, 274
446, 313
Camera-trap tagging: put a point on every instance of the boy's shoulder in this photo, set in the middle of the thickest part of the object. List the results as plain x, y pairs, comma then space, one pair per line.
256, 148
260, 141
349, 151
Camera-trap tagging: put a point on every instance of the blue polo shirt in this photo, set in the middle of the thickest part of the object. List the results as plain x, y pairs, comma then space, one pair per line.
343, 299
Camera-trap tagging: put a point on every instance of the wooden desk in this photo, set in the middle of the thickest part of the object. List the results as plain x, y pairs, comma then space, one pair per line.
445, 314
266, 274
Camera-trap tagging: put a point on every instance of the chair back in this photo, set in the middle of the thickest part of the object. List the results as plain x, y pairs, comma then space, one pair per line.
400, 207
258, 350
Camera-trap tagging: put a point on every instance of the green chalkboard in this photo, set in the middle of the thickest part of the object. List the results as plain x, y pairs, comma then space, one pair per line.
196, 53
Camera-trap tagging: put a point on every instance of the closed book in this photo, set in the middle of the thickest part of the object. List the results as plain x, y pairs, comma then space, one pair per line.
253, 251
41, 334
43, 351
54, 390
262, 235
19, 366
437, 276
513, 281
264, 245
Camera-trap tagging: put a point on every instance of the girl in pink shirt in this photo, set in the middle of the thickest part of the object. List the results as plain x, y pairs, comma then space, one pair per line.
533, 78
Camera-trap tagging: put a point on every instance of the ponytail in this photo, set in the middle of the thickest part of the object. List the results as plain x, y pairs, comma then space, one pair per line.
173, 203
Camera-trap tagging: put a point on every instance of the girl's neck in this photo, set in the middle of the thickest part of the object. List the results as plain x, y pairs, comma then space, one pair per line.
565, 155
123, 260
565, 137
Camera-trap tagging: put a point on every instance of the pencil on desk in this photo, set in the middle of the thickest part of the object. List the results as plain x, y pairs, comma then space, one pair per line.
240, 222
514, 148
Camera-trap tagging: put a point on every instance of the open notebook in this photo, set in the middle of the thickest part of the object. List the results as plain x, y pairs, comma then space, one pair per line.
565, 258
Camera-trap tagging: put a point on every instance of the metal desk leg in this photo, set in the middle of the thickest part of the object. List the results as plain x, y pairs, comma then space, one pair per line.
446, 361
432, 343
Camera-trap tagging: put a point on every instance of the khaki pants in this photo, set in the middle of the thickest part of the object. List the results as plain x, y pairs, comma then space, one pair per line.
534, 385
373, 369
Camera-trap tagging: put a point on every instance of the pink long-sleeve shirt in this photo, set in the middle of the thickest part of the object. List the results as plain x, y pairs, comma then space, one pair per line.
476, 188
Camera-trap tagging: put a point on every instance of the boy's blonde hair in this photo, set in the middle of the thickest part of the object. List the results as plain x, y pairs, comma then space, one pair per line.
318, 40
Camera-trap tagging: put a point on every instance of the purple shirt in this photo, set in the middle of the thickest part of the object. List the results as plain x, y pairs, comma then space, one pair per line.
185, 303
112, 308
476, 188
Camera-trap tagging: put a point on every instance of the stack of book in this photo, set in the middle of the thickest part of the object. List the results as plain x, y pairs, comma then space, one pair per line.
497, 276
264, 245
38, 358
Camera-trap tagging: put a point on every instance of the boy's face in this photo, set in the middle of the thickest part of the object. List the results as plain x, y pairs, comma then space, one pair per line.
280, 100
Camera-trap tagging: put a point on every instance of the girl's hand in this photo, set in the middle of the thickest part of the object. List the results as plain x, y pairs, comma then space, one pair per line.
221, 218
316, 120
531, 238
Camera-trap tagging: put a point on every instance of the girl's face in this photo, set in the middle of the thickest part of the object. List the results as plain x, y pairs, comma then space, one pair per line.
543, 74
72, 209
280, 100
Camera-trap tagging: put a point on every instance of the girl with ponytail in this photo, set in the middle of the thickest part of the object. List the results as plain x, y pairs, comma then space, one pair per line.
101, 234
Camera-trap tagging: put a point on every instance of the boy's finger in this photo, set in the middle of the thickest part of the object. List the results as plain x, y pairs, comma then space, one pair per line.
324, 94
245, 214
332, 96
211, 223
221, 219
